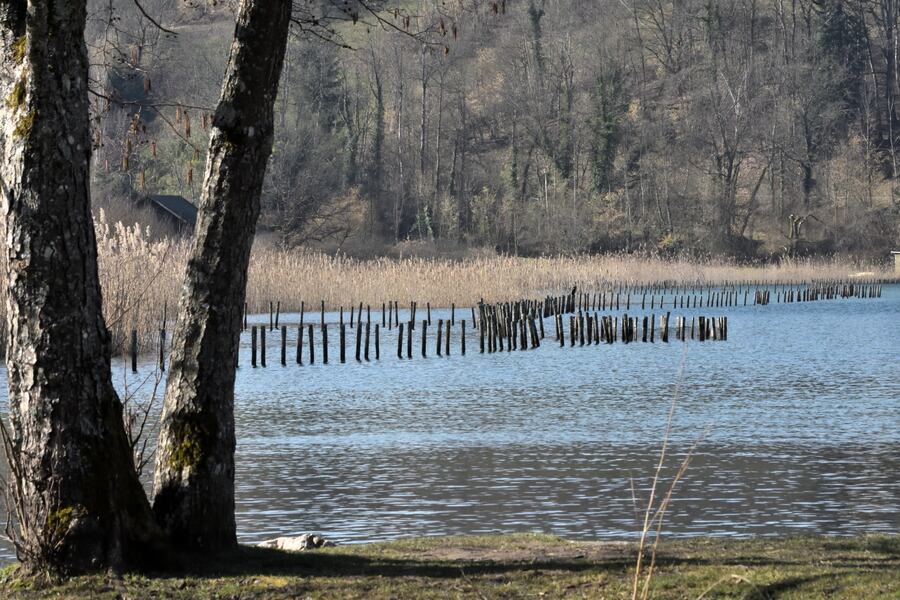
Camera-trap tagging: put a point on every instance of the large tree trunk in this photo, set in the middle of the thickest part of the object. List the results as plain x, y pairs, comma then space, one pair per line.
194, 480
80, 504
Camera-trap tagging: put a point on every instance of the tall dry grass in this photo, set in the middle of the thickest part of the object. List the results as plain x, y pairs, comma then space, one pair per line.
292, 276
141, 275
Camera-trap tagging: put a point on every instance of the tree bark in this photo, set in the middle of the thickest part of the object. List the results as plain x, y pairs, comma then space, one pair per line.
194, 479
79, 501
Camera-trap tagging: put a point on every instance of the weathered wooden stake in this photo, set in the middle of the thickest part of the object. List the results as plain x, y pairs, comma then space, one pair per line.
262, 346
134, 350
462, 337
424, 337
162, 350
368, 329
409, 334
253, 346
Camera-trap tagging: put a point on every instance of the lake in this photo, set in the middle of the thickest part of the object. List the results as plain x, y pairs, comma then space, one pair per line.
799, 414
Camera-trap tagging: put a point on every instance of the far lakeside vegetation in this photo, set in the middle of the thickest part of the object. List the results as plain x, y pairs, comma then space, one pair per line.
141, 274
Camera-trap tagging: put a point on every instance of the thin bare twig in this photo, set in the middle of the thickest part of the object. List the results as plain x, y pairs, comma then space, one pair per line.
152, 20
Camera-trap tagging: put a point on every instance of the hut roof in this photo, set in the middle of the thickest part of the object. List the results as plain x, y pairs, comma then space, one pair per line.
176, 206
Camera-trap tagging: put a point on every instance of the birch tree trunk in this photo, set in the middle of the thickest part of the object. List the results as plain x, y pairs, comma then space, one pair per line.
79, 503
194, 478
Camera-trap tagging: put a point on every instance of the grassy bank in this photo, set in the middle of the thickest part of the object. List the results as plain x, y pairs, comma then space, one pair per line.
519, 566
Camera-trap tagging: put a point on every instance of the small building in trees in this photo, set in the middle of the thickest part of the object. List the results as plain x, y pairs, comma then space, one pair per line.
173, 209
896, 254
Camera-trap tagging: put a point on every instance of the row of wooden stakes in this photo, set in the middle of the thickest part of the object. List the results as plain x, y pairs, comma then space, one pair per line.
712, 298
524, 313
518, 334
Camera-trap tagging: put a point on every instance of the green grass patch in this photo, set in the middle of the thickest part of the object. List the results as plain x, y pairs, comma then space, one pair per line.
514, 566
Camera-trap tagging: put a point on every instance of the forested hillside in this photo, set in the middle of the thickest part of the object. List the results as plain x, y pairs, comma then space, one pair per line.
747, 127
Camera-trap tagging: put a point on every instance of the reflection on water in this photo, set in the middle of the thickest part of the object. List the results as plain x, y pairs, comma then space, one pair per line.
802, 405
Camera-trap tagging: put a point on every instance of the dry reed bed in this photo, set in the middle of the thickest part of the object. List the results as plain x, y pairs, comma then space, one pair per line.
140, 276
292, 276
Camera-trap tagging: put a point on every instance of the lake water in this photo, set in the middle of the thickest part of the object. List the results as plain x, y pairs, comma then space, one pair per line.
799, 412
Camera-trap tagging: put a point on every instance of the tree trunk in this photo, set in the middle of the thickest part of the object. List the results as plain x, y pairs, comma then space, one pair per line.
194, 480
80, 504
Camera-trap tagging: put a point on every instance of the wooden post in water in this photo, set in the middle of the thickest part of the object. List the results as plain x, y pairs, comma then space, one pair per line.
312, 346
440, 329
447, 340
409, 333
245, 316
134, 350
253, 346
424, 337
324, 343
262, 346
343, 343
377, 344
271, 319
462, 337
368, 329
358, 339
162, 350
277, 313
400, 341
284, 345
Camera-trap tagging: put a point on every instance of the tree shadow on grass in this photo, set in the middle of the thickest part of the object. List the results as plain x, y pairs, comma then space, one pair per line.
782, 586
250, 561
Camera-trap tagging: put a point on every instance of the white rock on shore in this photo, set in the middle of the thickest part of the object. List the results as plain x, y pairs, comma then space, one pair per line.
307, 541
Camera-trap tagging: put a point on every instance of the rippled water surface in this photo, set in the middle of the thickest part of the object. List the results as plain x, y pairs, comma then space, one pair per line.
799, 413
